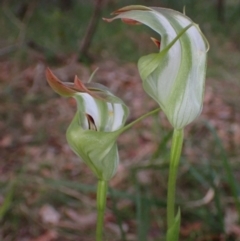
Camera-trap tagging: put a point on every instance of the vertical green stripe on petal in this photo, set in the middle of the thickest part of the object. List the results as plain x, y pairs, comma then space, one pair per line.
107, 116
104, 115
110, 113
190, 83
110, 167
119, 116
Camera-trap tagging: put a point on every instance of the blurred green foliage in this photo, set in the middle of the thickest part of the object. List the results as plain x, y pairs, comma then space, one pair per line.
60, 30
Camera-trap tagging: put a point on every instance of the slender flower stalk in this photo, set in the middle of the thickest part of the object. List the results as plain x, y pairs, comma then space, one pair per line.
101, 205
176, 150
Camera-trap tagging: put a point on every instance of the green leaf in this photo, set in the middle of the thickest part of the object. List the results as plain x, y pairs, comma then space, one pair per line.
173, 231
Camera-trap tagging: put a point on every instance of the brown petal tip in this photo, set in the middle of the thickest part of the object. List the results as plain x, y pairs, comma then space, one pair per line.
108, 20
129, 8
130, 21
156, 42
57, 85
79, 86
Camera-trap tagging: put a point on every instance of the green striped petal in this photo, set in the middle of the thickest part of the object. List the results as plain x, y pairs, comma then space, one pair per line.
107, 116
174, 77
96, 148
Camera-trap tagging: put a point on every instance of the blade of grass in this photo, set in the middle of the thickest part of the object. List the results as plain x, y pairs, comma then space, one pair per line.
198, 176
161, 147
7, 200
229, 172
91, 188
143, 201
116, 213
142, 213
212, 177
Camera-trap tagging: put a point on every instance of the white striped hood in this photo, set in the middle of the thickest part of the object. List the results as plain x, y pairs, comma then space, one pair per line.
175, 76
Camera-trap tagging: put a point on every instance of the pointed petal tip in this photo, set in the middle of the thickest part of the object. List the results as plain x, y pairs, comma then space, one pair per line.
108, 20
156, 42
51, 78
48, 70
57, 84
75, 78
126, 9
79, 85
48, 73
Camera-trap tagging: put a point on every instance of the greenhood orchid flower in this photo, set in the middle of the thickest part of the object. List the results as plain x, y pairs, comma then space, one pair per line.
96, 125
175, 76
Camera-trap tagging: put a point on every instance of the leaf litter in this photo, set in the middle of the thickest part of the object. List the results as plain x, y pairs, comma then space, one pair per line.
33, 148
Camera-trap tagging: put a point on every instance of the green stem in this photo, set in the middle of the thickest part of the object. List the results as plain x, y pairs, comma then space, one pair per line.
101, 204
138, 120
176, 150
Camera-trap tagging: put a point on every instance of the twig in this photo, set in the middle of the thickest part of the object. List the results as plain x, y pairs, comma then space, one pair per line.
92, 26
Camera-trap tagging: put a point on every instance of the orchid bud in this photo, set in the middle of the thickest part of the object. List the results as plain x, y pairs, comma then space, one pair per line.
96, 125
175, 76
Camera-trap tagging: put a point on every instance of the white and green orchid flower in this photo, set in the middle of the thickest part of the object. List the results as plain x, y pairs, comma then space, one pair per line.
175, 76
97, 123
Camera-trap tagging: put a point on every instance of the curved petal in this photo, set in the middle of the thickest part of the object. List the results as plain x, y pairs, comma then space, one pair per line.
120, 115
174, 77
107, 116
97, 149
64, 89
88, 105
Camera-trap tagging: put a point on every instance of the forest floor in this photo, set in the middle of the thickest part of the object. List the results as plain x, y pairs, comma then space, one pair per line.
47, 194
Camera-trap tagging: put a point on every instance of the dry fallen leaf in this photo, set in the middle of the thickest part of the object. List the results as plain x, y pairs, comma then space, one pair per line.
190, 227
230, 221
49, 215
84, 221
29, 121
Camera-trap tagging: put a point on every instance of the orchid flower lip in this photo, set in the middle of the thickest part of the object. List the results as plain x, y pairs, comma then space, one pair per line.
91, 124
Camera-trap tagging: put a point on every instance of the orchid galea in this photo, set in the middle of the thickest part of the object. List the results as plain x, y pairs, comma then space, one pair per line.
175, 76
